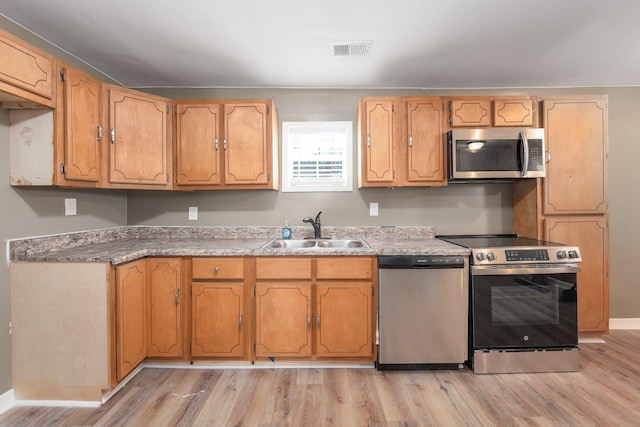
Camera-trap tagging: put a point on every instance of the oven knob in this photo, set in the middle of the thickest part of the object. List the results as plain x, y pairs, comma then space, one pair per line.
573, 254
491, 256
480, 256
562, 254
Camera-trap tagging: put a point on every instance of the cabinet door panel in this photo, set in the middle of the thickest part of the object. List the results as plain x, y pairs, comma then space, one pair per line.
425, 147
283, 320
590, 234
138, 152
513, 112
82, 101
217, 320
470, 113
198, 144
344, 320
246, 147
379, 141
131, 318
576, 138
165, 308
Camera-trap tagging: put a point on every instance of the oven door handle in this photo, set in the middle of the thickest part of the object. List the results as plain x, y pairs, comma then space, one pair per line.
492, 271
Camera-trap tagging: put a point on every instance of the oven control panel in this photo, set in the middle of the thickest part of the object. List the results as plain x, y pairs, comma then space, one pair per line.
559, 254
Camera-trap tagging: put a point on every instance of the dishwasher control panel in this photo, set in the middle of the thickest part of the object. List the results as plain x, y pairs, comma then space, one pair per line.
421, 261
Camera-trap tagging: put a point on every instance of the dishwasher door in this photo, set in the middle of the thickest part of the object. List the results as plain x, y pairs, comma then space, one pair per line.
423, 318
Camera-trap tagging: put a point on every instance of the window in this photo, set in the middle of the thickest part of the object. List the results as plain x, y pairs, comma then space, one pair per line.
317, 156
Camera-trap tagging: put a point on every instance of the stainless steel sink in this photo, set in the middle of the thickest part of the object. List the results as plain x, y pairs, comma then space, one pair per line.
316, 244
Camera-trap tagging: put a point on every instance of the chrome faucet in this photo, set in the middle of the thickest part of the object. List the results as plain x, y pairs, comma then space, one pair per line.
317, 232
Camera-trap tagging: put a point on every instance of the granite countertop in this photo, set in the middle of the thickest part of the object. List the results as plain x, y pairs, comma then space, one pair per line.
123, 244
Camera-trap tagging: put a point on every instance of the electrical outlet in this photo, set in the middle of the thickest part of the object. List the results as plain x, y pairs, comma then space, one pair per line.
69, 207
373, 209
193, 213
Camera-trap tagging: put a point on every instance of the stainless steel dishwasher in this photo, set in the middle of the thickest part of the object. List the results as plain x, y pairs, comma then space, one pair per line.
423, 312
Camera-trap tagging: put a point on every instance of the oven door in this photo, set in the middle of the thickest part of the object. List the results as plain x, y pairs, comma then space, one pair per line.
524, 307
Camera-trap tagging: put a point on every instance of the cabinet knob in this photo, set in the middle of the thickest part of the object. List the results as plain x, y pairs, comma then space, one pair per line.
410, 140
216, 269
216, 143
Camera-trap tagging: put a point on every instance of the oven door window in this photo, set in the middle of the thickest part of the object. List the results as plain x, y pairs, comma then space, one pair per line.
524, 311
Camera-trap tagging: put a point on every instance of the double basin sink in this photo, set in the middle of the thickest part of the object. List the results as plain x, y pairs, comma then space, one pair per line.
316, 244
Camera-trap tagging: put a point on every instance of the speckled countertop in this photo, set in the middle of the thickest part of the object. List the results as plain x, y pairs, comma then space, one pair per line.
123, 244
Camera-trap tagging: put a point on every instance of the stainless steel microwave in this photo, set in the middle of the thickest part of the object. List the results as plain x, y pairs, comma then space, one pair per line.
496, 154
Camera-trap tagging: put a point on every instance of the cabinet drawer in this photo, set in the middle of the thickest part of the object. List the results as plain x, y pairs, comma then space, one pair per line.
345, 268
218, 268
283, 268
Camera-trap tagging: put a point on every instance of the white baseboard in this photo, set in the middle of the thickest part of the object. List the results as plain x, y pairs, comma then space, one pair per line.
7, 401
627, 323
60, 403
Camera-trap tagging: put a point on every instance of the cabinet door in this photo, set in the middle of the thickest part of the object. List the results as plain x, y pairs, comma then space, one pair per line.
344, 320
131, 319
82, 126
283, 320
590, 234
198, 144
24, 68
470, 113
217, 320
513, 112
425, 144
246, 144
139, 142
164, 277
378, 142
577, 142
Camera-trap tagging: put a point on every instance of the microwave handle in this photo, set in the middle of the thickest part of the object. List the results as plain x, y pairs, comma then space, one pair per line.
525, 146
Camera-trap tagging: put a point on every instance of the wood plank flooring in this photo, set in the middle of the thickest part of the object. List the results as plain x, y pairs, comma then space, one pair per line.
605, 392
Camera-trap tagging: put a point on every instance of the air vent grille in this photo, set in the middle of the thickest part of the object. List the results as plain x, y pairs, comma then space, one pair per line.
345, 49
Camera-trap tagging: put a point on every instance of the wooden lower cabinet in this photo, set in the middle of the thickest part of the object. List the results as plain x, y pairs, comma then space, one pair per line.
218, 324
343, 320
283, 320
131, 317
164, 287
590, 234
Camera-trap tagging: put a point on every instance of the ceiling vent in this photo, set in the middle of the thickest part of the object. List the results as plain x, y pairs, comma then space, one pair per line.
344, 49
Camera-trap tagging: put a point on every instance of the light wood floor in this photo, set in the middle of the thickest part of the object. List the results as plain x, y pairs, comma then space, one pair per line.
605, 392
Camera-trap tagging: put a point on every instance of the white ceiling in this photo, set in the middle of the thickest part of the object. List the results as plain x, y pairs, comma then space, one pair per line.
285, 43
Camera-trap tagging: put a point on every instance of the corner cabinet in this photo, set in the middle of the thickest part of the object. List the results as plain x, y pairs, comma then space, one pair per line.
226, 144
139, 150
570, 205
401, 142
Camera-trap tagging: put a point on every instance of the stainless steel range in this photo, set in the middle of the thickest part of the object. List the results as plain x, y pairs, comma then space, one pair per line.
523, 304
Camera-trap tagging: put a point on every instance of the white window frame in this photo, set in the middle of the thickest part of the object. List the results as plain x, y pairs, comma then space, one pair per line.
289, 142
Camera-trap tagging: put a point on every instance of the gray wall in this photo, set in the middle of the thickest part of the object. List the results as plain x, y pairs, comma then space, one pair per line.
453, 209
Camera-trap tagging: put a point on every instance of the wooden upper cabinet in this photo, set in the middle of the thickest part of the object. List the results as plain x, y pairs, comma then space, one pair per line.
513, 112
164, 287
470, 113
577, 142
83, 133
426, 156
378, 133
131, 317
226, 144
246, 144
25, 71
139, 149
198, 144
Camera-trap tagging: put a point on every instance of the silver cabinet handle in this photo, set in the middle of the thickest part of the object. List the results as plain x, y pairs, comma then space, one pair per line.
216, 269
318, 319
224, 143
240, 321
410, 140
216, 143
368, 140
99, 138
113, 135
178, 296
309, 321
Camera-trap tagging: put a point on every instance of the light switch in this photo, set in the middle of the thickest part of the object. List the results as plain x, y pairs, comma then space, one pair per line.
69, 207
373, 209
193, 213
